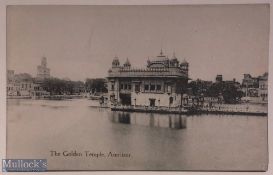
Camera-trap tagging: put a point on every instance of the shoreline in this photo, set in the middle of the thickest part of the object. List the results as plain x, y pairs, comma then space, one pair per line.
187, 112
222, 109
192, 112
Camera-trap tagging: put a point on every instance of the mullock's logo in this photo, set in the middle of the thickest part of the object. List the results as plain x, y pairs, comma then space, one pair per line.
23, 165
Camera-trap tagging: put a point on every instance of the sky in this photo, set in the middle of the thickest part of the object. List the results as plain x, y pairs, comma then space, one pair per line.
81, 41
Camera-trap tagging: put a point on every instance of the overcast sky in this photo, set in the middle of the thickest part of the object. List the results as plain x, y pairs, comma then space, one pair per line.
81, 41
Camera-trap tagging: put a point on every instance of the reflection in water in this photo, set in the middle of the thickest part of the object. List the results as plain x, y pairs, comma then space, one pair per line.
210, 142
152, 120
124, 118
177, 122
120, 118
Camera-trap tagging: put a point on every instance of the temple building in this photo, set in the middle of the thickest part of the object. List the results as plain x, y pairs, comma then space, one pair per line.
162, 82
42, 70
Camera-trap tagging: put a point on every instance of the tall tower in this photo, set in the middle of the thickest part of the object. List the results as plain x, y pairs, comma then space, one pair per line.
127, 64
185, 66
43, 62
42, 70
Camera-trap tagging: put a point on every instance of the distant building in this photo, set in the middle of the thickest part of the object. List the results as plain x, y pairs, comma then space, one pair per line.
233, 83
226, 83
255, 88
10, 76
219, 78
38, 91
25, 89
250, 82
263, 87
250, 85
42, 70
22, 85
161, 83
13, 89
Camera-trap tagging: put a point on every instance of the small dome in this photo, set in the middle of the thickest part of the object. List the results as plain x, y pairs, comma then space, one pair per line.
115, 61
174, 56
127, 63
184, 62
174, 62
115, 58
161, 52
174, 59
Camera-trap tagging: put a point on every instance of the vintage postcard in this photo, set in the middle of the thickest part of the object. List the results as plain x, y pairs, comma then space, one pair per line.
137, 87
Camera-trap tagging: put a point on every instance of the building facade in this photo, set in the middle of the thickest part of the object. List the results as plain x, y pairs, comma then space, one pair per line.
161, 83
263, 87
21, 85
10, 75
250, 85
25, 89
256, 88
42, 70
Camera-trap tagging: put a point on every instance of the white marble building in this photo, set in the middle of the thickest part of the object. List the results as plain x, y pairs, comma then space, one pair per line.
161, 83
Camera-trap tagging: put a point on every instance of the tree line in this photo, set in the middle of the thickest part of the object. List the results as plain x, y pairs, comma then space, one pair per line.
230, 91
56, 86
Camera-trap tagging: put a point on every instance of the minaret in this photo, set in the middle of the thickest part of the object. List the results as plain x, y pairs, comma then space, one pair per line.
115, 62
127, 63
44, 62
148, 62
185, 66
161, 52
42, 70
174, 55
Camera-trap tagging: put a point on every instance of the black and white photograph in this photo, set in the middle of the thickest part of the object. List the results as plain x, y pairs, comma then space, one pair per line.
137, 87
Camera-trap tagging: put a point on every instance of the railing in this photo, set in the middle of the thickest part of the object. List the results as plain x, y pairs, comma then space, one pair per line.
235, 108
149, 108
229, 109
147, 72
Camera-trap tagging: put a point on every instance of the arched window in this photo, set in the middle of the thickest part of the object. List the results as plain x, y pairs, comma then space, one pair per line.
171, 100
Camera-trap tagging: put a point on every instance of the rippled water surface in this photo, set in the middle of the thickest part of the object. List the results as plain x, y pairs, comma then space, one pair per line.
154, 141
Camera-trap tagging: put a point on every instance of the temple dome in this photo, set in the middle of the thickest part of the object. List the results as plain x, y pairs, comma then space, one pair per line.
115, 62
184, 62
127, 63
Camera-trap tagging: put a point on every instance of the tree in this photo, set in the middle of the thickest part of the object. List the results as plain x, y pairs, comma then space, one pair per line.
23, 77
215, 89
58, 86
199, 87
95, 85
231, 94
